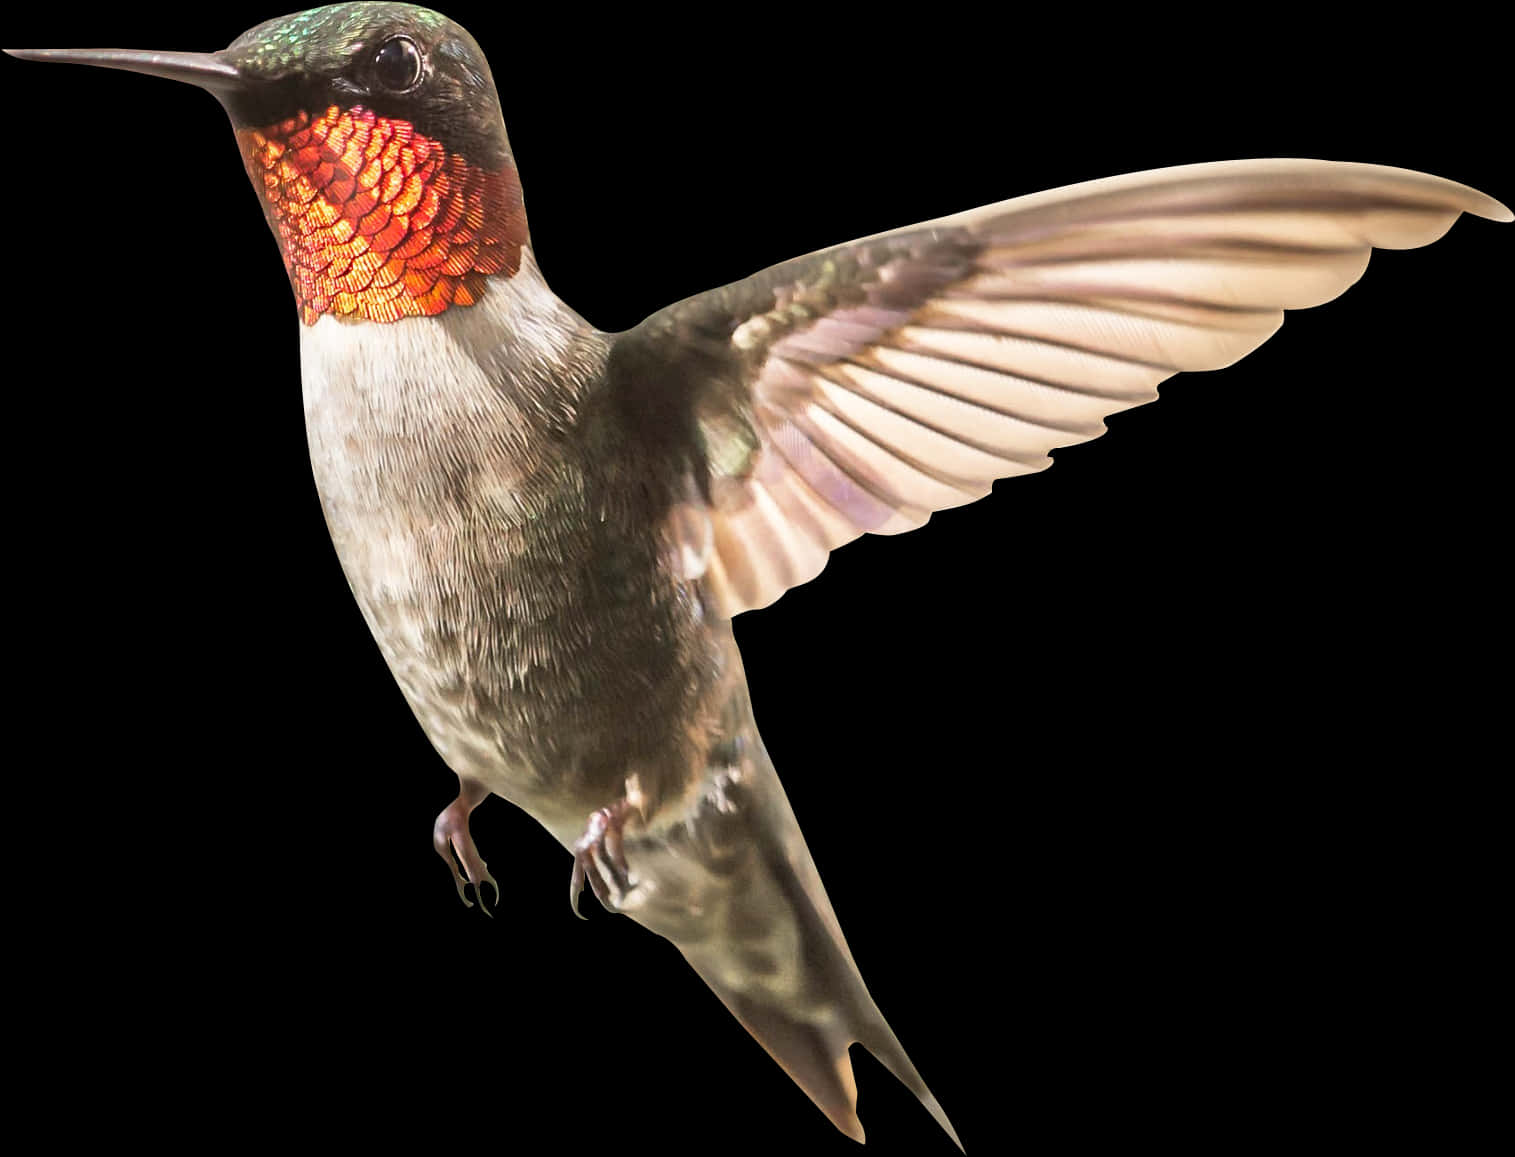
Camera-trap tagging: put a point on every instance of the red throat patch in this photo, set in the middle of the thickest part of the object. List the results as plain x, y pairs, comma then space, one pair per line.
376, 221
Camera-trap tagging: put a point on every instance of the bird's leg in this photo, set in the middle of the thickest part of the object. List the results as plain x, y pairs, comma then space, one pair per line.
450, 836
598, 856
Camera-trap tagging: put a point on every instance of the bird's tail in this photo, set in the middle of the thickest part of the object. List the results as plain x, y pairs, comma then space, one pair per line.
739, 894
814, 1053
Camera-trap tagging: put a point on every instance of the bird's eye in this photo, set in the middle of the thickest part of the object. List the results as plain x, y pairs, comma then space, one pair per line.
397, 64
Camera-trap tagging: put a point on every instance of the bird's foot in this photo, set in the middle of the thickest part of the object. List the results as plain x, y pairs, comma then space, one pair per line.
599, 857
451, 838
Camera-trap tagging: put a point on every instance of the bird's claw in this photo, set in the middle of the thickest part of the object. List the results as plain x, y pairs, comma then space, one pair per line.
451, 838
599, 857
478, 887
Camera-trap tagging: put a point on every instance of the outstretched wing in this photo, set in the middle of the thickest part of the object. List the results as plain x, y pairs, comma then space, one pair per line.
862, 387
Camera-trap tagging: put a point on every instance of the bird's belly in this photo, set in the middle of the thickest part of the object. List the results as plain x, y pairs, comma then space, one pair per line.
542, 664
514, 587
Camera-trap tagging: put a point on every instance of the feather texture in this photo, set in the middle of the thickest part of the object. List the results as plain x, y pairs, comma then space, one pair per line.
903, 373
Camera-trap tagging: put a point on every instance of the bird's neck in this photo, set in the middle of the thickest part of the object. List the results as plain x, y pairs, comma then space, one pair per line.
507, 376
378, 222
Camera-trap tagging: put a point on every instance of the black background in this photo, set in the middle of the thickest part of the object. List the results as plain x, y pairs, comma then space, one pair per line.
1141, 788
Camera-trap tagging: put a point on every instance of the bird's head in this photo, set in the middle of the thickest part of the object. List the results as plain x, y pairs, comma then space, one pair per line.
373, 136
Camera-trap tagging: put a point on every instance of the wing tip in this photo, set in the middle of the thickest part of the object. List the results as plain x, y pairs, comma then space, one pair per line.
1466, 199
1493, 210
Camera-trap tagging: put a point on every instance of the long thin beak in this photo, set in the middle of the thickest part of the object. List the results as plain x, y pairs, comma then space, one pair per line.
206, 69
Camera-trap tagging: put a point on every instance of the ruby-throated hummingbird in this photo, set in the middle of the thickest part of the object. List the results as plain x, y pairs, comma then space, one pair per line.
548, 528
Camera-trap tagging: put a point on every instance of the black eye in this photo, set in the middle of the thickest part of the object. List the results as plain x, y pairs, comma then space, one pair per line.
397, 64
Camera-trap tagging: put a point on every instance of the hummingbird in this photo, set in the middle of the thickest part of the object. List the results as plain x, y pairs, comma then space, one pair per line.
549, 529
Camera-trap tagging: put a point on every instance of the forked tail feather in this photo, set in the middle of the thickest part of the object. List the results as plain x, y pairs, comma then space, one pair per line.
734, 887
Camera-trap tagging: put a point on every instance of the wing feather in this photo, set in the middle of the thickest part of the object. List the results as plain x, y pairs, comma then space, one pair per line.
1106, 328
934, 394
844, 489
903, 373
1057, 368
